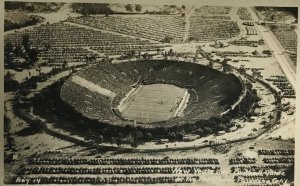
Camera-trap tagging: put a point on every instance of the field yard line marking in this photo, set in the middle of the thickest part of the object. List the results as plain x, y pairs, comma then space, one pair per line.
182, 103
92, 86
180, 97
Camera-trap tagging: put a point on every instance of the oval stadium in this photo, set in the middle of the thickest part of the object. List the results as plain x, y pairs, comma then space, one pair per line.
151, 93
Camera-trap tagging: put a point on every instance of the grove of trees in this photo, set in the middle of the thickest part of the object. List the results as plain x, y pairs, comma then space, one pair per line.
87, 9
32, 20
20, 51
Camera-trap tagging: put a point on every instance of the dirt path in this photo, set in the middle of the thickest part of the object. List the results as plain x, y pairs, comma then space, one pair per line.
188, 23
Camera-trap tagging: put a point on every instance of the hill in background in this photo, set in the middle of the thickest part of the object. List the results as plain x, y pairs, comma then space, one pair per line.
16, 20
33, 6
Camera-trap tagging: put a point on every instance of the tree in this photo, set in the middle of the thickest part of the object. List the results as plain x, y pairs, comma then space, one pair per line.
112, 140
8, 49
47, 46
211, 63
9, 76
222, 127
100, 139
18, 51
158, 50
26, 42
119, 141
107, 12
208, 130
290, 173
87, 58
149, 136
138, 8
128, 7
199, 131
293, 27
167, 39
92, 8
132, 53
9, 83
183, 7
171, 52
138, 135
120, 135
64, 65
32, 56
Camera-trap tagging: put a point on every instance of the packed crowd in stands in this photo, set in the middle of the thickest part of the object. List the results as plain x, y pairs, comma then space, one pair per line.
109, 76
244, 14
211, 30
242, 160
154, 27
276, 152
119, 170
104, 180
86, 105
287, 36
122, 161
283, 85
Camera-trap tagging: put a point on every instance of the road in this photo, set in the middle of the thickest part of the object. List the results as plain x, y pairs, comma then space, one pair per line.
286, 64
53, 17
188, 23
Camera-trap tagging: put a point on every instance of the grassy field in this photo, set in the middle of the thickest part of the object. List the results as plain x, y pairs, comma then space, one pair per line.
153, 103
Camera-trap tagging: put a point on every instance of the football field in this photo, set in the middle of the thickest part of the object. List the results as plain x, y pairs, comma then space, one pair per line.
153, 103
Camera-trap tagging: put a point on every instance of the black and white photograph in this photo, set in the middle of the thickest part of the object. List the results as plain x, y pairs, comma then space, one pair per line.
149, 93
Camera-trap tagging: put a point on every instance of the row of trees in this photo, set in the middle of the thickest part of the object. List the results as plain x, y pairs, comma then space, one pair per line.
9, 83
129, 8
87, 9
32, 20
21, 52
33, 6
